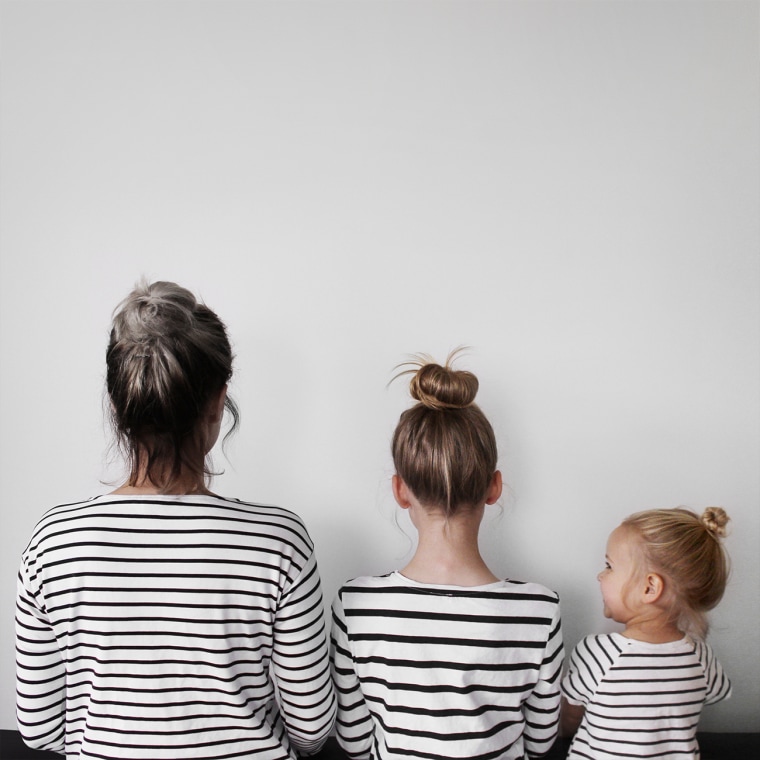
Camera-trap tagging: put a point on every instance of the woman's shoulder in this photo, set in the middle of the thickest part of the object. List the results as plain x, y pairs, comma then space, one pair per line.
256, 509
58, 518
168, 505
166, 512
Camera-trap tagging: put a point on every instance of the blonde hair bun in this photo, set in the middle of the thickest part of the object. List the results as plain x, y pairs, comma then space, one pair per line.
715, 520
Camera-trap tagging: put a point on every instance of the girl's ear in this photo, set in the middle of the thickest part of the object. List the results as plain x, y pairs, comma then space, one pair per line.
494, 489
653, 588
400, 492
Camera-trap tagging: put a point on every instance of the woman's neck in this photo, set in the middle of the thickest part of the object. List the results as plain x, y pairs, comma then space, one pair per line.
141, 484
447, 551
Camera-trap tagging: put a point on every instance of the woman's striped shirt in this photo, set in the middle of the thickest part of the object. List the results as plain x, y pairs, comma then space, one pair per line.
171, 627
642, 700
453, 672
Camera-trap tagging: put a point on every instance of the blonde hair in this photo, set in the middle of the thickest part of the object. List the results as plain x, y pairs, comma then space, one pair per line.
167, 357
444, 448
687, 551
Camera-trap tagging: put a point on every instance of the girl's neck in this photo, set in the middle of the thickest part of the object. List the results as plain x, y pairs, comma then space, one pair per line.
653, 630
447, 551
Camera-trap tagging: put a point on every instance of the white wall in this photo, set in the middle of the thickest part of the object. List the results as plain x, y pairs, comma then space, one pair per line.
571, 188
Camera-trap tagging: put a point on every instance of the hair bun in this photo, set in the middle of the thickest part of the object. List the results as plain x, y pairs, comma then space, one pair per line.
715, 520
440, 387
154, 310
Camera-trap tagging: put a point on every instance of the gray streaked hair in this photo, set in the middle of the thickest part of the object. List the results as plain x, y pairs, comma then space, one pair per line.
168, 356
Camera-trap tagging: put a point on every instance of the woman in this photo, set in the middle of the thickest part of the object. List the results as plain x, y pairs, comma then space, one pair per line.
161, 620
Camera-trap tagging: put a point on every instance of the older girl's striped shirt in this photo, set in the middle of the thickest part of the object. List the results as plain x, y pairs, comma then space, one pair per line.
642, 700
171, 627
453, 672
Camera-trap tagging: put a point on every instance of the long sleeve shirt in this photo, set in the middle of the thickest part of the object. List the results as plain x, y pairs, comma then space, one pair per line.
171, 627
426, 671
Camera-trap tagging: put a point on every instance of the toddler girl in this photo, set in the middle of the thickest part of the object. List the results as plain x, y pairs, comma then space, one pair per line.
639, 693
442, 659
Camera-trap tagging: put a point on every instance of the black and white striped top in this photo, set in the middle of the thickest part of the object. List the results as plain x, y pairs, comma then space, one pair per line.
170, 627
641, 700
452, 672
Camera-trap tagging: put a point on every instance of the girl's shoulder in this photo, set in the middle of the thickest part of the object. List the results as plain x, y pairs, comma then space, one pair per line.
394, 587
531, 589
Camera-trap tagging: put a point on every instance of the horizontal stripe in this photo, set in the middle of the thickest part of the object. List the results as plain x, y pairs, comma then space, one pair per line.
444, 641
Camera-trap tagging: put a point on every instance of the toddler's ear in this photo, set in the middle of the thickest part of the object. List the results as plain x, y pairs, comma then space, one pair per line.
654, 586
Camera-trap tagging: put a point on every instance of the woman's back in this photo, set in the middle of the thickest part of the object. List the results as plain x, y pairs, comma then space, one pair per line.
164, 611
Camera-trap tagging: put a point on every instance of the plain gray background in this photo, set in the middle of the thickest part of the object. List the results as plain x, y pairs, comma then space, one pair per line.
569, 188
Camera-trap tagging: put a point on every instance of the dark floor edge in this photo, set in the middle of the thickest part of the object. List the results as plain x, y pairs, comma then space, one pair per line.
713, 746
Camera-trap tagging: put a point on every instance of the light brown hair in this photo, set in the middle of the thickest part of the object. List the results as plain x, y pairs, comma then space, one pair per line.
687, 551
167, 358
444, 448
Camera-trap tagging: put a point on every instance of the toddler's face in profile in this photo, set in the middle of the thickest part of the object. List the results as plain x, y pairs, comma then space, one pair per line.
619, 571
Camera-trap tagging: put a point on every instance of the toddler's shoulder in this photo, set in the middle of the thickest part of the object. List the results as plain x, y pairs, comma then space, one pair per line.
601, 646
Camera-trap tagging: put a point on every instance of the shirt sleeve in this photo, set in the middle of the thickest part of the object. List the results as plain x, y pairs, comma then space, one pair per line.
588, 664
40, 671
542, 708
301, 665
718, 685
354, 726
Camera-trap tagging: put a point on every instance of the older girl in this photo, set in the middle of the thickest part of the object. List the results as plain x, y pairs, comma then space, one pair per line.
442, 659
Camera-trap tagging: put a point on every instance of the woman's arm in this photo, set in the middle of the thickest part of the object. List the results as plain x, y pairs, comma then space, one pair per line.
40, 673
301, 663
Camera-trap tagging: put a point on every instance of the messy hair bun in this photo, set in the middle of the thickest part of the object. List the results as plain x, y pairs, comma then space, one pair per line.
715, 520
439, 387
167, 358
444, 448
